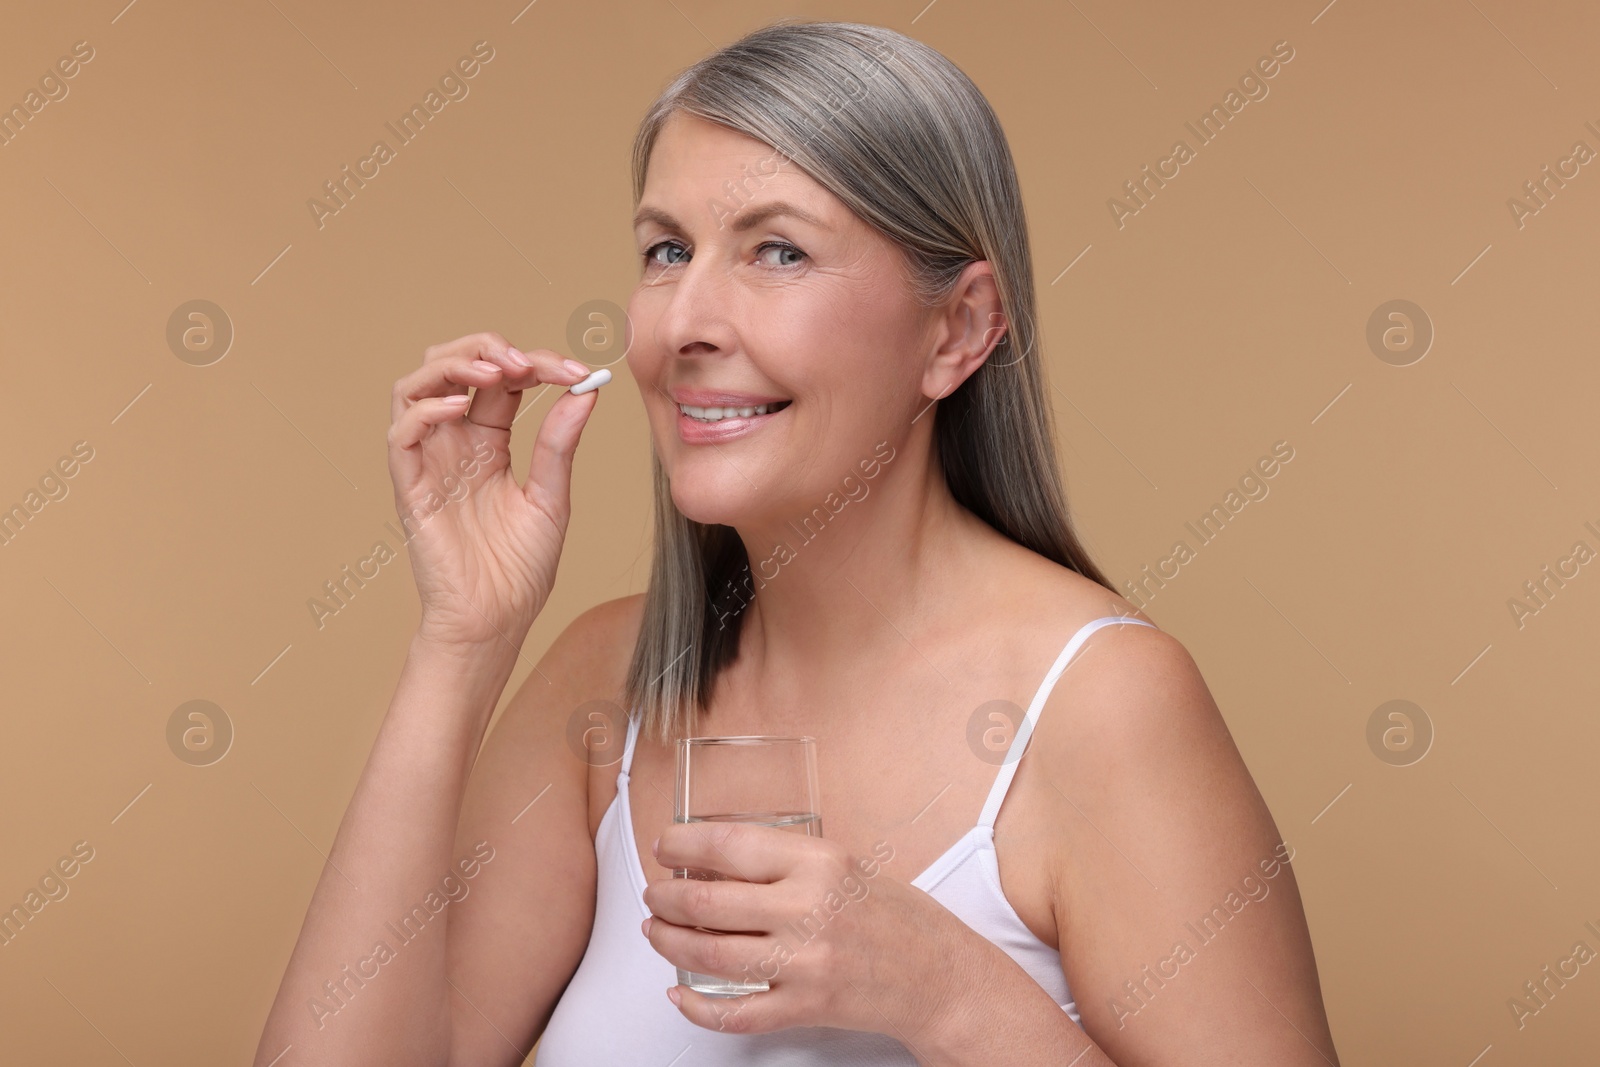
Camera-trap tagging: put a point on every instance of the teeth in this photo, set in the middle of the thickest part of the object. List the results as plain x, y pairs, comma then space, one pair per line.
718, 414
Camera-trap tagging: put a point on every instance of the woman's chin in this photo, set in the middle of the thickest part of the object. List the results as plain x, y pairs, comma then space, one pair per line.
717, 507
717, 513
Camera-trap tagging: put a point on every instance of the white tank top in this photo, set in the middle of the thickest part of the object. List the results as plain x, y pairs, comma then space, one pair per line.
615, 1010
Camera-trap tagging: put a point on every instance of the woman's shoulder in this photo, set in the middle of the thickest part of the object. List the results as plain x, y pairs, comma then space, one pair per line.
1127, 683
1129, 686
1065, 601
1058, 596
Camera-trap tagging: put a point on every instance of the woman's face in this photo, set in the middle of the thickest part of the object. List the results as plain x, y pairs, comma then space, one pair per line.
737, 309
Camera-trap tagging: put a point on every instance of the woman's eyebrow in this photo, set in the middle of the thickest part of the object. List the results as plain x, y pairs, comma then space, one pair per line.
754, 217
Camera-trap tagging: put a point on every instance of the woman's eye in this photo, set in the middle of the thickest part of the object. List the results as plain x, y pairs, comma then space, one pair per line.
675, 254
650, 253
782, 249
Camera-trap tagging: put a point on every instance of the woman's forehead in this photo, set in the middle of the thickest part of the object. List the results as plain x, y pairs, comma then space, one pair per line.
704, 177
694, 151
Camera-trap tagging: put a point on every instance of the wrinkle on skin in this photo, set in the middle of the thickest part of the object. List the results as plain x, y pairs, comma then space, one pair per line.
822, 313
836, 330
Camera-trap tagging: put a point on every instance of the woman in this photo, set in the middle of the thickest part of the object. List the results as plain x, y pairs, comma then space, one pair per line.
860, 536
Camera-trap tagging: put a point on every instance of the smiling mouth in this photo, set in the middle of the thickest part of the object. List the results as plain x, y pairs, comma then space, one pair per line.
718, 414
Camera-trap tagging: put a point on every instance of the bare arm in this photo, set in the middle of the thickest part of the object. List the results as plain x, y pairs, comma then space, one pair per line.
367, 981
1182, 931
354, 991
516, 942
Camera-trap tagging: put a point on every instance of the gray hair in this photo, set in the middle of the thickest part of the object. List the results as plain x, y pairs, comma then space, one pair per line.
903, 138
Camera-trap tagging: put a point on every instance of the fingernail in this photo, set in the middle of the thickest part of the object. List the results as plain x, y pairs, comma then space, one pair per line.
575, 367
655, 848
645, 926
483, 364
673, 995
518, 358
456, 398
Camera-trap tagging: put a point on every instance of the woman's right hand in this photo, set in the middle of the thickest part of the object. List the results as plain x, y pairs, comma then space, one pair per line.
483, 549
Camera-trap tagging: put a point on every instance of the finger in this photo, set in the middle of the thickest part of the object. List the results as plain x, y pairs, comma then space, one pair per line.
446, 376
410, 428
728, 904
497, 405
549, 484
740, 850
755, 1013
405, 458
736, 956
487, 345
520, 370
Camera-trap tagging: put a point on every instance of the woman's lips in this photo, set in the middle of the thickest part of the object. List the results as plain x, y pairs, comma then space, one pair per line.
695, 431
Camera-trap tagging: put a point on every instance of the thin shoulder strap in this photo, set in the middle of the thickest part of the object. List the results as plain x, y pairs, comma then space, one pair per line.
1008, 770
633, 736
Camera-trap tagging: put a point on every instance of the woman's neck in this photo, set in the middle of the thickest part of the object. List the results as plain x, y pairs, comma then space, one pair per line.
855, 577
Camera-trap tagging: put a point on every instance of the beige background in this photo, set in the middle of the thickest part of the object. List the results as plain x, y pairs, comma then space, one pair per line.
1229, 314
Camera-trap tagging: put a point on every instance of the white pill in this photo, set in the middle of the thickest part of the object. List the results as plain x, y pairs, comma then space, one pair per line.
592, 382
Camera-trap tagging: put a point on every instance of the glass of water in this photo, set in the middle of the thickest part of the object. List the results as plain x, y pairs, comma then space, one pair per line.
760, 779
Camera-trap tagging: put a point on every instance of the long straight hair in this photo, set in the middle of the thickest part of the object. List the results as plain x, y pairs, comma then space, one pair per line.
903, 138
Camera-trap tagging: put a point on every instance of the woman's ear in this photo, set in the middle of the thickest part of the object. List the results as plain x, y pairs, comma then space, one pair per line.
967, 327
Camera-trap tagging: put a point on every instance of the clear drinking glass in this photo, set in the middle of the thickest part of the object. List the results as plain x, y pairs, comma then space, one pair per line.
761, 779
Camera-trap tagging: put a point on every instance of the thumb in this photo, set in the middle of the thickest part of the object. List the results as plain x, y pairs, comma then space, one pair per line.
550, 470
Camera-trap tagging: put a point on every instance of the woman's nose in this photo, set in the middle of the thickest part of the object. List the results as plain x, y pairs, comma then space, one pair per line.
698, 311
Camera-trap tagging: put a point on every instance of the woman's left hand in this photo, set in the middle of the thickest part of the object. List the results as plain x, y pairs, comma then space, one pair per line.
840, 943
